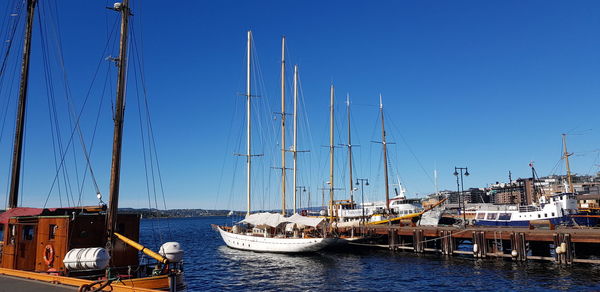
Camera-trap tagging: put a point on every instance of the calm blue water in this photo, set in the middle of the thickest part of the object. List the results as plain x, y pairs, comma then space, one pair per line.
210, 265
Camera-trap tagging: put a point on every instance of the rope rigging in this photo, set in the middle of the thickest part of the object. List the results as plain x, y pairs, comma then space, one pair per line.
54, 122
9, 37
150, 153
76, 127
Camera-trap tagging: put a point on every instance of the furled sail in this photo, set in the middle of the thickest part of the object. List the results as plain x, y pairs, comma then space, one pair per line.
262, 219
274, 219
306, 221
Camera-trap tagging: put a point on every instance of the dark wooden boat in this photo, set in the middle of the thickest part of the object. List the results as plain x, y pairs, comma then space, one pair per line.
40, 239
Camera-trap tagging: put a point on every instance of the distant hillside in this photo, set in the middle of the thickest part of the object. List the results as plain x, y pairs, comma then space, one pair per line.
154, 213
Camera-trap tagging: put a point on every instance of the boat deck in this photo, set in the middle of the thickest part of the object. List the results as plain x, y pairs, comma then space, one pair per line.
8, 283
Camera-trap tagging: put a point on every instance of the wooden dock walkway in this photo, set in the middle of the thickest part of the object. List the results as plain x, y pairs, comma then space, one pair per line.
14, 284
46, 282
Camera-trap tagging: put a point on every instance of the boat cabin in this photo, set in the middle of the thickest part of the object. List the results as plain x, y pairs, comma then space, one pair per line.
35, 239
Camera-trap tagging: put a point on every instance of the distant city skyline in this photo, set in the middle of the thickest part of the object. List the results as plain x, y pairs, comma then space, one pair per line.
486, 85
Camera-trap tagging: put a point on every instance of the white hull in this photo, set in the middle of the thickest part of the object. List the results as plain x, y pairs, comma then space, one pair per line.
274, 244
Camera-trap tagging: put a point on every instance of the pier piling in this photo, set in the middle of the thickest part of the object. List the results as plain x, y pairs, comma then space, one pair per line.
517, 244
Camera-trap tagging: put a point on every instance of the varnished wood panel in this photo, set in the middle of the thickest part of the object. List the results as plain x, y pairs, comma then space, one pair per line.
59, 243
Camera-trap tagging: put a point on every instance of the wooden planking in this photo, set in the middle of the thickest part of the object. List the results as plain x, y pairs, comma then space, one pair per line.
58, 243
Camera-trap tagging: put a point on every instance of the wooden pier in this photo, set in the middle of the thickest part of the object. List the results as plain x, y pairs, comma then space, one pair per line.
564, 246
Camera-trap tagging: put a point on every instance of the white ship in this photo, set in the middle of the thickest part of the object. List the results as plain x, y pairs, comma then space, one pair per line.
556, 208
273, 232
269, 232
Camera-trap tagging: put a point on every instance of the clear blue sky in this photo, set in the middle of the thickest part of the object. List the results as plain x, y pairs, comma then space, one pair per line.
486, 84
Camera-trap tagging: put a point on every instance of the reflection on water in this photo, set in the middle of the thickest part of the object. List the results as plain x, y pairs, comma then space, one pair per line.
294, 272
210, 265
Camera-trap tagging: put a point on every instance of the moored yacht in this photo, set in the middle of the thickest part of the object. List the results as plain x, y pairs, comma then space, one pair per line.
273, 232
399, 206
558, 209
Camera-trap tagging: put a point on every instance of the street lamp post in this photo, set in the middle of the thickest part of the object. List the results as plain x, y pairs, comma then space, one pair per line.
461, 188
362, 182
303, 189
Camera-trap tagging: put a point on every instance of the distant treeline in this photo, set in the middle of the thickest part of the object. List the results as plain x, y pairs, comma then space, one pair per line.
154, 213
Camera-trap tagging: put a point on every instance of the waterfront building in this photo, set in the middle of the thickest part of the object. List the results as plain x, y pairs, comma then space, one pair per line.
520, 192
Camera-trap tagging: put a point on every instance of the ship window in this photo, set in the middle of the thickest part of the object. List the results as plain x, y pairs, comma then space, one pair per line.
28, 232
481, 216
552, 214
1, 232
504, 216
545, 214
52, 231
491, 216
539, 216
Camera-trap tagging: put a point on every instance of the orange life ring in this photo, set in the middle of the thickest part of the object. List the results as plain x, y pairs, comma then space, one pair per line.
49, 255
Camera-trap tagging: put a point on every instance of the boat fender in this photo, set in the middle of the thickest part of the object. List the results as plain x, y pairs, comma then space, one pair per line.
49, 255
558, 250
475, 248
563, 247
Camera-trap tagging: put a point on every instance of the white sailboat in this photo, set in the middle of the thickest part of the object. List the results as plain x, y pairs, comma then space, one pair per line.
273, 232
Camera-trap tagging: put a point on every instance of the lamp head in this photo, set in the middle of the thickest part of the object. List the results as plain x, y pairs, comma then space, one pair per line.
455, 173
467, 173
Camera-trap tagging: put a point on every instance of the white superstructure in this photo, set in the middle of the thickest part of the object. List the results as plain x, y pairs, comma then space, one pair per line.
556, 208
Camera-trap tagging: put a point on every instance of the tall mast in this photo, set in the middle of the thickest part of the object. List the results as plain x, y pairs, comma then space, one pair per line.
534, 197
331, 150
115, 172
435, 178
248, 120
349, 150
13, 199
283, 127
385, 164
566, 156
295, 146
